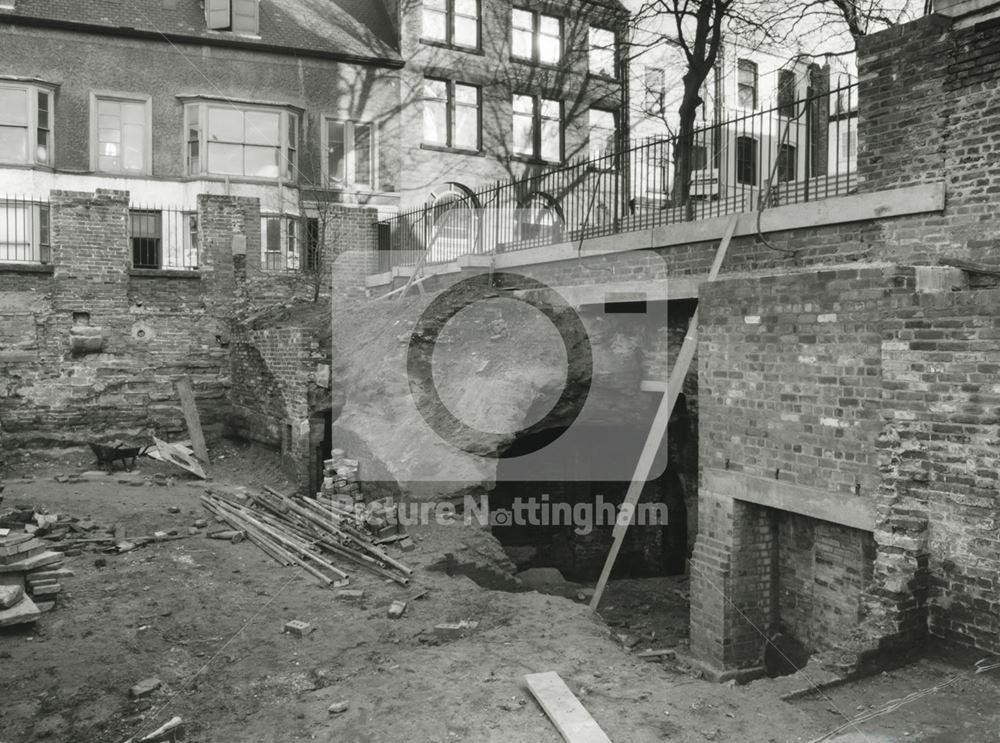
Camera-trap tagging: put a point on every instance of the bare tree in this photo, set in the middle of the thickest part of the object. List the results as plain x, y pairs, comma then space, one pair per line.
698, 29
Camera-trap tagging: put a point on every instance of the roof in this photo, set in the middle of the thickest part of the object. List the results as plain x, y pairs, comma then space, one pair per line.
355, 30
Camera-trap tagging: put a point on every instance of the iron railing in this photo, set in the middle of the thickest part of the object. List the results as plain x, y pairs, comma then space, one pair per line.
163, 238
796, 152
24, 230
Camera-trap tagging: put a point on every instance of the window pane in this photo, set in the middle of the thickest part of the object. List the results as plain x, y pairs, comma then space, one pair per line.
225, 125
746, 160
550, 109
435, 25
551, 149
786, 163
467, 95
466, 32
522, 19
43, 109
245, 16
261, 162
521, 44
435, 89
523, 134
133, 146
363, 142
602, 131
225, 159
524, 104
13, 144
602, 52
263, 128
467, 8
467, 127
13, 106
337, 152
272, 234
436, 122
549, 39
134, 113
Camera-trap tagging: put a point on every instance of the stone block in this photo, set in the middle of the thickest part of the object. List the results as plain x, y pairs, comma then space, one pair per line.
23, 612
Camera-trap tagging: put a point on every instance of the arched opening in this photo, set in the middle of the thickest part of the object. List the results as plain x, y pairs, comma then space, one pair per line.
454, 223
540, 219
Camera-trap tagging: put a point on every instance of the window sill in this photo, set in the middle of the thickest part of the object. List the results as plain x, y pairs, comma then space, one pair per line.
46, 268
452, 150
239, 179
478, 51
529, 160
165, 273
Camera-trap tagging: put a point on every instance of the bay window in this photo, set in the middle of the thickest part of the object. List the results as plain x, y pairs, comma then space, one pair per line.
242, 141
25, 124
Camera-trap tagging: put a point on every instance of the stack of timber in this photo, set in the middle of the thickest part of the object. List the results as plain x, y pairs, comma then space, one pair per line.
30, 577
321, 538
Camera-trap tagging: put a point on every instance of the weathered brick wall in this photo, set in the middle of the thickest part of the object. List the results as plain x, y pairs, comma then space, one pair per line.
940, 556
789, 376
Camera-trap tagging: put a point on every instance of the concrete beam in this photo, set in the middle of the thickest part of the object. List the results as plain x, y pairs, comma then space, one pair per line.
928, 197
847, 510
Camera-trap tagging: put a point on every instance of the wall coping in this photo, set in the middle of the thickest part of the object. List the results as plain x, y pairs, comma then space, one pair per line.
164, 273
897, 202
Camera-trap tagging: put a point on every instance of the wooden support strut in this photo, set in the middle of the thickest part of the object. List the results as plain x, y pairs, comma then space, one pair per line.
658, 429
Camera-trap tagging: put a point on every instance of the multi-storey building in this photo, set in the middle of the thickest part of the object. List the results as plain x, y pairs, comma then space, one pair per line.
291, 102
497, 88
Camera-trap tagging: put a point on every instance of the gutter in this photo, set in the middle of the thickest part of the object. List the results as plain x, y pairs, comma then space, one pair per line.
234, 43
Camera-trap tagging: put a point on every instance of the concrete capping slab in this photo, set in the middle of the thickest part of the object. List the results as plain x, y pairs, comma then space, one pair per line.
14, 357
847, 510
938, 279
927, 197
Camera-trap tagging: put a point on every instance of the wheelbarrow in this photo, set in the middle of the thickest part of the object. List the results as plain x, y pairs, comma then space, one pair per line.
108, 454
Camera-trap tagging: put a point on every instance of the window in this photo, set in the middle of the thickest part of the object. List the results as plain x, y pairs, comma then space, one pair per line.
451, 22
654, 90
163, 239
25, 124
536, 37
602, 52
253, 142
24, 232
602, 132
699, 157
786, 93
537, 128
120, 134
238, 16
451, 115
312, 247
787, 163
746, 84
746, 161
350, 154
280, 242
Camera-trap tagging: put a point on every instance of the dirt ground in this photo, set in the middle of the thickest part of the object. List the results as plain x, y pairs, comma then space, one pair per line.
206, 618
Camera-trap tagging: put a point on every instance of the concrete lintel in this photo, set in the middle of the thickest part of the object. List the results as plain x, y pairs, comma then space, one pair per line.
927, 197
846, 510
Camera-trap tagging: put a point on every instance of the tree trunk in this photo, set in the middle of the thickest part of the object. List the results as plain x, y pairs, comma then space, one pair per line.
684, 147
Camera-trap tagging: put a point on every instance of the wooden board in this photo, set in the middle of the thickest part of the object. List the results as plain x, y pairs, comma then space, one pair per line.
191, 418
658, 429
570, 717
179, 457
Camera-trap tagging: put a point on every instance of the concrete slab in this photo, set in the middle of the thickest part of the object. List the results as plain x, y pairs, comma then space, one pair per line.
25, 611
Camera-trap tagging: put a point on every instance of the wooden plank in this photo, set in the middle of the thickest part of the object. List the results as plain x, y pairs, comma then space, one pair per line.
658, 429
570, 717
177, 456
190, 410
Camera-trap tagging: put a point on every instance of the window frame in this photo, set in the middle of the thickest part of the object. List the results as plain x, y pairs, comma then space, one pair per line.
615, 56
536, 129
290, 228
451, 110
349, 180
96, 96
290, 120
224, 14
33, 90
748, 65
754, 160
536, 36
39, 242
450, 15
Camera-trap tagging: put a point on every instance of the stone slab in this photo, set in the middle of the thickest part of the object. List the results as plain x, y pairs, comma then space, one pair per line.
25, 611
10, 596
36, 561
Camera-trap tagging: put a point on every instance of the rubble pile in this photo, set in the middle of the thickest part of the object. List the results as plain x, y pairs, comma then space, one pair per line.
340, 479
30, 575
